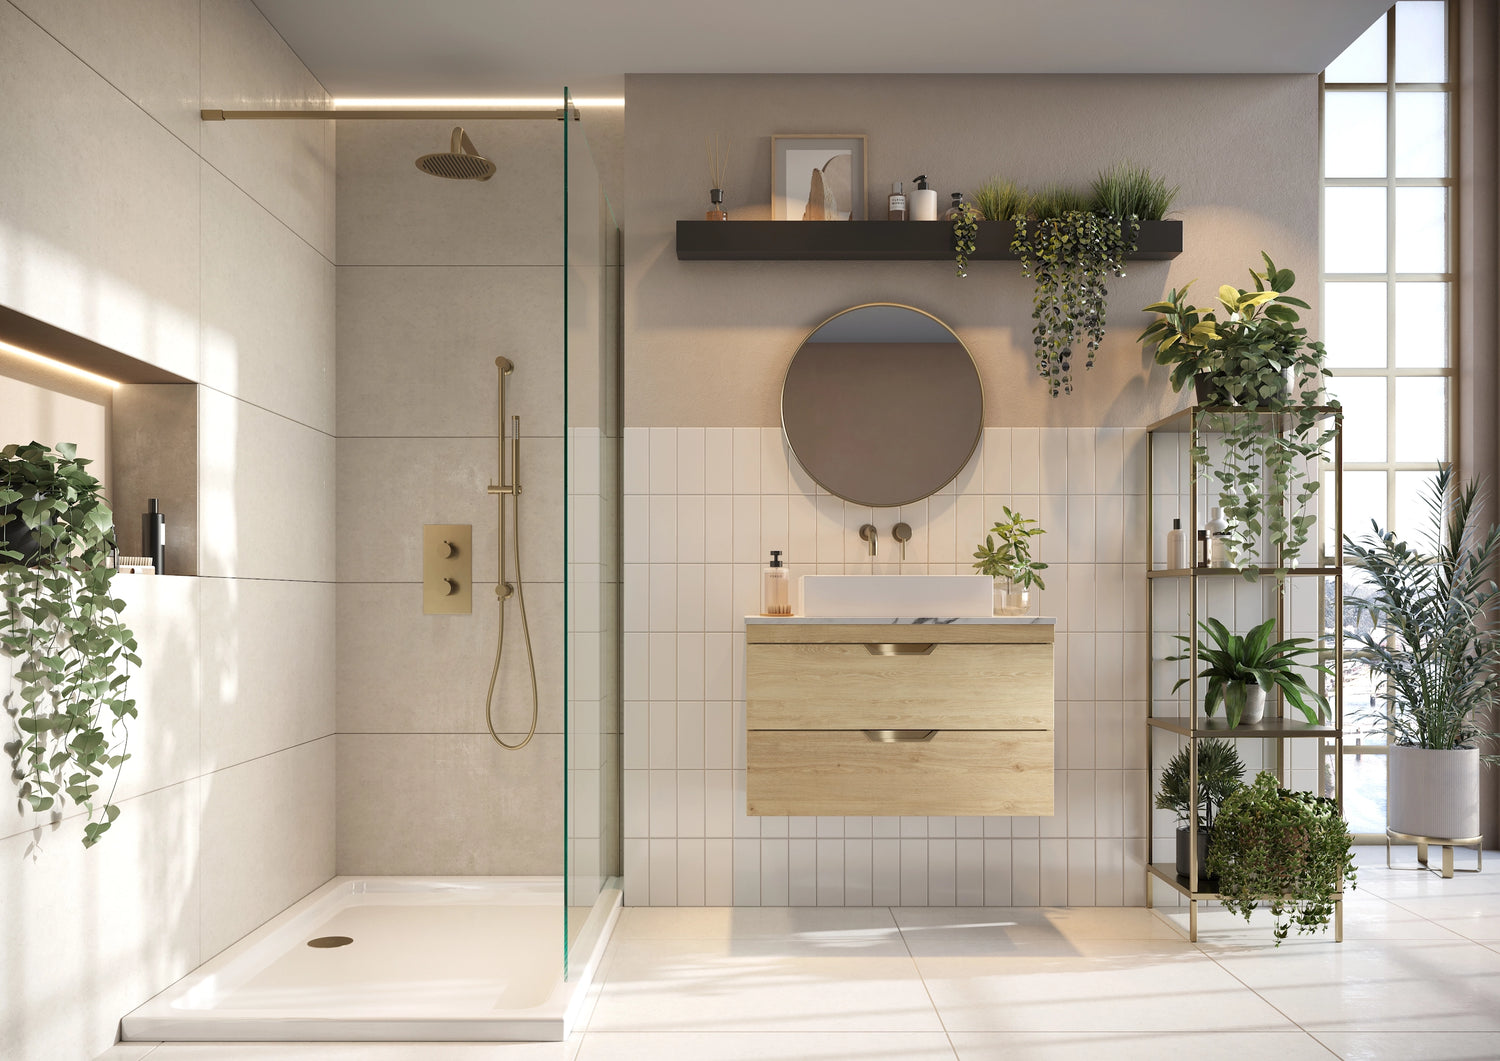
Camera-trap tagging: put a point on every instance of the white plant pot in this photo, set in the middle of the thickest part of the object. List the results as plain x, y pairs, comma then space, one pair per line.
1010, 600
1253, 699
1434, 792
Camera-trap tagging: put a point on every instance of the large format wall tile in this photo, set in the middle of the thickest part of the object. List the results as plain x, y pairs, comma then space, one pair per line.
417, 349
286, 166
147, 49
268, 668
268, 309
98, 206
449, 804
401, 671
265, 499
391, 213
267, 838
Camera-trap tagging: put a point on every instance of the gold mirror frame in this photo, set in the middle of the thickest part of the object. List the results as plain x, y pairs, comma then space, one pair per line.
941, 457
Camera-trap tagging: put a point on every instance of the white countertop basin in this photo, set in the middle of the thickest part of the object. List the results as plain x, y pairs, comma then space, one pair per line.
883, 596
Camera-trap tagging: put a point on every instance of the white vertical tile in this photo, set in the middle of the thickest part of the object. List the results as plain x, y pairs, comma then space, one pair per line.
1133, 520
802, 871
1081, 802
718, 872
1052, 513
1054, 872
1080, 666
885, 826
718, 529
970, 479
771, 825
1081, 512
690, 734
1081, 872
995, 826
1056, 823
941, 825
828, 826
830, 872
718, 460
942, 872
802, 529
635, 788
970, 525
799, 482
637, 477
1135, 803
942, 531
637, 664
1109, 735
803, 825
636, 854
1080, 737
718, 735
747, 589
773, 526
859, 881
1135, 873
968, 826
858, 825
1081, 460
830, 530
1109, 602
1109, 455
747, 460
663, 460
1109, 803
913, 826
636, 746
718, 666
1109, 871
690, 460
915, 550
997, 460
663, 530
1025, 460
774, 880
636, 517
718, 803
746, 872
914, 872
663, 666
969, 872
663, 793
690, 875
747, 543
886, 861
637, 598
691, 518
1054, 461
745, 826
1026, 872
690, 597
1133, 461
1080, 597
775, 476
997, 872
689, 803
1109, 529
1109, 666
718, 599
1053, 600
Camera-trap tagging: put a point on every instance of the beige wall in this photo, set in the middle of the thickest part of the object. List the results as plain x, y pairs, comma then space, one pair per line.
206, 250
709, 342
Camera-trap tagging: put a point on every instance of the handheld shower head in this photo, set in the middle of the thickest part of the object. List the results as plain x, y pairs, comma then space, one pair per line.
462, 162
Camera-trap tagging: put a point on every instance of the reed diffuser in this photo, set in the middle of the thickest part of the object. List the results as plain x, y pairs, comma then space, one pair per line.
718, 162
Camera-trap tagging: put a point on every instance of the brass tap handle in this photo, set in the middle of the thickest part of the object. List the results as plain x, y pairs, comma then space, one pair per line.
451, 587
902, 533
867, 533
447, 549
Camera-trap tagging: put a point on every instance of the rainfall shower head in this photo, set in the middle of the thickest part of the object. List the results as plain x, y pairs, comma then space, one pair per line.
460, 163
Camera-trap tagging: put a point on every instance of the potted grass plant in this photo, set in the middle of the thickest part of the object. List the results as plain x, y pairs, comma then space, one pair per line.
1433, 647
1241, 671
1005, 556
1220, 774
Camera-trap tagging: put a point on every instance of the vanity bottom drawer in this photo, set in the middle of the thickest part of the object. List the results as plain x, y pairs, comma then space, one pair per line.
840, 772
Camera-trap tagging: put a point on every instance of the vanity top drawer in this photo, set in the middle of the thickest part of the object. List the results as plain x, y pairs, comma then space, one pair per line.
899, 685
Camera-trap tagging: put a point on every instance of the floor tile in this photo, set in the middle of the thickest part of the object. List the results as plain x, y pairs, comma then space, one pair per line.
1411, 1046
366, 1051
974, 931
845, 984
1136, 1046
1366, 917
1417, 985
765, 1046
127, 1052
726, 922
1093, 985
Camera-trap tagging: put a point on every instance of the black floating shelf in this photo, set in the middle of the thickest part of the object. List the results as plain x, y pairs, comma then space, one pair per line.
874, 241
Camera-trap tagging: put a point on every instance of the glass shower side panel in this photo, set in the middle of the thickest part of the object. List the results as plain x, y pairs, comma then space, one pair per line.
592, 513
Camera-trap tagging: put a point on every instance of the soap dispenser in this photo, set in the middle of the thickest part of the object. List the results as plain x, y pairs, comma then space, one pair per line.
776, 591
922, 202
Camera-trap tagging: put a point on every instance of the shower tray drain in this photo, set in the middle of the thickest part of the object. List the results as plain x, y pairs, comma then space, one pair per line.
324, 942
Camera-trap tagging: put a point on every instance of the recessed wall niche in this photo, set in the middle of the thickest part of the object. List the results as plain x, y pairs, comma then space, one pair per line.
141, 432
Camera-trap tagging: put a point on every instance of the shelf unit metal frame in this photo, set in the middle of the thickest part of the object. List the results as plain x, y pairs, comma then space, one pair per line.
1279, 728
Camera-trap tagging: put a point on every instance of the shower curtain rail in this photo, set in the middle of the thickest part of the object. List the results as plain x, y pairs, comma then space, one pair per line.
393, 114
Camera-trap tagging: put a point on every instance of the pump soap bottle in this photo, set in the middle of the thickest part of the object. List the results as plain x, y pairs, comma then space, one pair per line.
154, 535
923, 201
776, 593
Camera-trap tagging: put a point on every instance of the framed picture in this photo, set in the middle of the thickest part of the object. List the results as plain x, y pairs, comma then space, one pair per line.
818, 178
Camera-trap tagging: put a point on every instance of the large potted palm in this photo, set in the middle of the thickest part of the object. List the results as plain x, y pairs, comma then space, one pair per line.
1433, 648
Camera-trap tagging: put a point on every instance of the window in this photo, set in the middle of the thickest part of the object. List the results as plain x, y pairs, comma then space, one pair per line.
1387, 305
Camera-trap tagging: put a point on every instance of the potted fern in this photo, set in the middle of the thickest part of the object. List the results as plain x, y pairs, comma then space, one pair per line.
1242, 671
1005, 556
1219, 777
1433, 647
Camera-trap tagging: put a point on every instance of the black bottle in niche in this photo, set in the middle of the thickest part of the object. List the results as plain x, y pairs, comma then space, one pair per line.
154, 536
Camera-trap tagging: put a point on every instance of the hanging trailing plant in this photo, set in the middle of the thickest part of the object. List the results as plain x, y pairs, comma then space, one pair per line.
1069, 256
60, 624
965, 232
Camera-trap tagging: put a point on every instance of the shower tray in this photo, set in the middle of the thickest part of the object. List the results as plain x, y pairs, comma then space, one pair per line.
395, 959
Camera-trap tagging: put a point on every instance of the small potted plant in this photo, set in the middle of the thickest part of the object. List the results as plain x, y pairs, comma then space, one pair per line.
1005, 557
1241, 671
1219, 776
1289, 849
1433, 647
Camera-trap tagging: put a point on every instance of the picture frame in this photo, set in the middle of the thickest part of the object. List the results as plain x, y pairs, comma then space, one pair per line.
803, 165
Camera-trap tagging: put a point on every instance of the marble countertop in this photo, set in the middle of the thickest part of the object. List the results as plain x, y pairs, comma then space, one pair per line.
977, 620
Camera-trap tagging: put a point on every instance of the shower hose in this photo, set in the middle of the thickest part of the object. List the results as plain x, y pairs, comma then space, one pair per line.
502, 591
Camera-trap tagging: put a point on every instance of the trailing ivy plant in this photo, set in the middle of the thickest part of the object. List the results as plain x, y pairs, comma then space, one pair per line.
965, 232
1069, 255
1291, 850
60, 624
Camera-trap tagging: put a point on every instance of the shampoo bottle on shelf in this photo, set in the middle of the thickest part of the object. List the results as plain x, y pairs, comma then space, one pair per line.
776, 588
1178, 556
1217, 527
923, 201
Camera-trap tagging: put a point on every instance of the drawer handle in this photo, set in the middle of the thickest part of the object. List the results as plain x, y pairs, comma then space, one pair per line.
897, 736
887, 649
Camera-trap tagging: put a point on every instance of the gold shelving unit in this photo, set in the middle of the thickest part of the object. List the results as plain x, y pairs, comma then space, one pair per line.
1276, 725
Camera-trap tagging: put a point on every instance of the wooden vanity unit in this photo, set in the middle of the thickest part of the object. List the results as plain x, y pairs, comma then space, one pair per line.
862, 717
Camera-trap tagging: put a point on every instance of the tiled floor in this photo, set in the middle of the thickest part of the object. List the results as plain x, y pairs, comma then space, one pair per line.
1418, 976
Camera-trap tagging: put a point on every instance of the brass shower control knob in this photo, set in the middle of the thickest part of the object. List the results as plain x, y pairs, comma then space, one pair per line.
447, 550
447, 569
452, 587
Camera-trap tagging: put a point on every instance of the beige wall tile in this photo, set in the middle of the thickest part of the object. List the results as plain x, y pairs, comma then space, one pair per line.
389, 487
268, 309
147, 49
93, 933
268, 667
98, 206
267, 838
266, 494
286, 166
391, 213
401, 671
448, 804
417, 349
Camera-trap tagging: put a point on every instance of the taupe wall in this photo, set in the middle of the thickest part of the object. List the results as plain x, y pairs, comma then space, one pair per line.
708, 342
207, 250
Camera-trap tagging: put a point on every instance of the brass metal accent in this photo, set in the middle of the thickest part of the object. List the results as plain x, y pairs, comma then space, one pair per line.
899, 648
1447, 843
391, 114
895, 736
867, 533
329, 942
447, 569
901, 533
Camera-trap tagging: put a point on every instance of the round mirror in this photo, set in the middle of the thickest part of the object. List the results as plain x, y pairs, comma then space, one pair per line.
882, 405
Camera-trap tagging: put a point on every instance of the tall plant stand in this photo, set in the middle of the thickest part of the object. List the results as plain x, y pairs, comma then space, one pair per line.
1277, 725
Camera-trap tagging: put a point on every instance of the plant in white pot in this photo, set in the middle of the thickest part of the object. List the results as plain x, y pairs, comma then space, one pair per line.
1005, 556
1241, 671
1433, 649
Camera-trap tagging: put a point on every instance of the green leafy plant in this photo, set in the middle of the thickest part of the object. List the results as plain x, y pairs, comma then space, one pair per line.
1000, 199
1006, 552
1228, 660
1054, 201
1433, 642
1126, 188
1220, 775
61, 625
1291, 850
965, 231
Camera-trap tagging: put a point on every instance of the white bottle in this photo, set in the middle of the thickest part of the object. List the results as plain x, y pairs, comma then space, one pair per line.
1178, 558
922, 202
1217, 527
